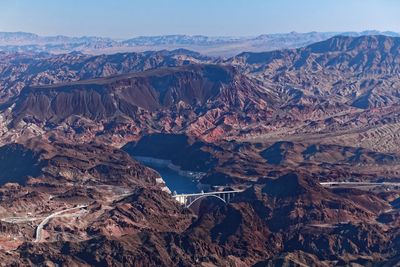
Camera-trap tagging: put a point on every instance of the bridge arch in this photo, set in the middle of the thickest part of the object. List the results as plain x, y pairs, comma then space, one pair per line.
204, 196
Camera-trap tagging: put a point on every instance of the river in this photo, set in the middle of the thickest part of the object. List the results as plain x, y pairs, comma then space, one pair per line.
175, 181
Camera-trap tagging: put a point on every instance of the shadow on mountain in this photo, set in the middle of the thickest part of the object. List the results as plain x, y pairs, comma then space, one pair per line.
189, 154
17, 163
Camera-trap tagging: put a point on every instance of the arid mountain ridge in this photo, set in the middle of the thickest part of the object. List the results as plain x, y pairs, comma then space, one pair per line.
276, 124
341, 85
126, 213
213, 46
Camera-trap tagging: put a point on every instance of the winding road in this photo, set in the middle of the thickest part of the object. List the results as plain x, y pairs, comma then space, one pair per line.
60, 213
360, 183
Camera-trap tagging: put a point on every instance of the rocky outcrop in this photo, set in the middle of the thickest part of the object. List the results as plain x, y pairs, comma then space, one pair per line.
276, 124
200, 100
18, 70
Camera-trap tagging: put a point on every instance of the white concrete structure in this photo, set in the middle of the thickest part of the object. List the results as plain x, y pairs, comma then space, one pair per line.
189, 199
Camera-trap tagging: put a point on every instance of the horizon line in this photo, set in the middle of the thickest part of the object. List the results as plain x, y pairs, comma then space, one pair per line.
195, 35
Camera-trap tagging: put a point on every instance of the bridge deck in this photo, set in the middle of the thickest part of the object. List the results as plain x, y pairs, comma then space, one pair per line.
189, 199
208, 193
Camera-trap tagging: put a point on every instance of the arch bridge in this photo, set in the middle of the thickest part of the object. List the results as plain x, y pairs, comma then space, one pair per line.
189, 199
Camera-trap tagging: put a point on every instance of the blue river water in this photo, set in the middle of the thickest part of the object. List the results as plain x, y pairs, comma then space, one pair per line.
175, 182
173, 179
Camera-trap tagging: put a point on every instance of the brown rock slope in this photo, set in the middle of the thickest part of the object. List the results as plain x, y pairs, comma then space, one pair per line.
230, 163
203, 100
291, 219
18, 70
342, 90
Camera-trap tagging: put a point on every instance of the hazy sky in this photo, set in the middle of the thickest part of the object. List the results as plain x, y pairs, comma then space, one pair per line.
129, 18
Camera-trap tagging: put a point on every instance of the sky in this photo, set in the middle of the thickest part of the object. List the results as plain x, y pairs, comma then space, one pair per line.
131, 18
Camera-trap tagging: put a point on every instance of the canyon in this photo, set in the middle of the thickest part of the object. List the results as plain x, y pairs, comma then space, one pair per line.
308, 135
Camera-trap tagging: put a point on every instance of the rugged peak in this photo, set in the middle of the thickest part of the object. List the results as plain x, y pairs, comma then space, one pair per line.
340, 43
290, 185
103, 98
348, 43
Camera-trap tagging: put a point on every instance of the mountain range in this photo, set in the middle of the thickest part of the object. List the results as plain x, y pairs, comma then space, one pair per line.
308, 134
212, 46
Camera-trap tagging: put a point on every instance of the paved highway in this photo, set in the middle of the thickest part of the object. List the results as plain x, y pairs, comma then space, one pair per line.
360, 183
39, 228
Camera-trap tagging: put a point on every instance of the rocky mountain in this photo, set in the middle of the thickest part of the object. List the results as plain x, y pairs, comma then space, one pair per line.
205, 100
18, 70
338, 85
373, 61
26, 38
213, 46
344, 84
341, 85
324, 227
236, 163
307, 136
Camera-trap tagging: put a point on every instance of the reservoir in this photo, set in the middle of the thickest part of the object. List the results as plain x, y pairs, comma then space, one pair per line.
173, 178
176, 182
